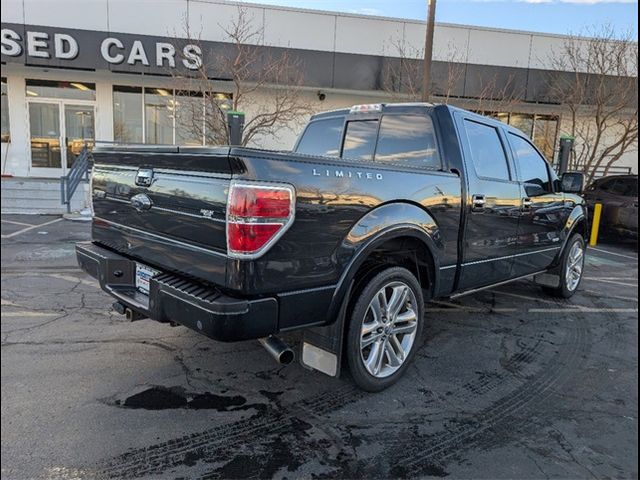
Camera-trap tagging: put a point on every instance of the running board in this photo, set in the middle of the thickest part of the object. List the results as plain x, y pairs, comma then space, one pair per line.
494, 285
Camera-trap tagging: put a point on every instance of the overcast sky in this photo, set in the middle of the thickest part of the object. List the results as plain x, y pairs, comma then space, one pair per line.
552, 16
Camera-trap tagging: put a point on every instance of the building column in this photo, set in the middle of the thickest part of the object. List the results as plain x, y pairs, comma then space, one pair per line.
104, 111
16, 154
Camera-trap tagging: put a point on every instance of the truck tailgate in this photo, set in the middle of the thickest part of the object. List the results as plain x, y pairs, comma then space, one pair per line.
164, 206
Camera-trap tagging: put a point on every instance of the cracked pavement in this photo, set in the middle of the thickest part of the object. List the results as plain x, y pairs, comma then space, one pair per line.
509, 383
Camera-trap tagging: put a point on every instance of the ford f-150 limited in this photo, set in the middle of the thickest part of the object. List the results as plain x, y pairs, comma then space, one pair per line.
377, 210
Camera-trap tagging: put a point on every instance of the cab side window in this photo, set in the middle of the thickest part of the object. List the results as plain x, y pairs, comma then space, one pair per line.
532, 167
489, 158
408, 140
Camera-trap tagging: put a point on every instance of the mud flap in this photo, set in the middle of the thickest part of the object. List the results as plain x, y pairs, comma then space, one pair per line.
322, 346
550, 278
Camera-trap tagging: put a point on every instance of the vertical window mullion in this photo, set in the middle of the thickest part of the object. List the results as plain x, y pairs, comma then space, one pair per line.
175, 114
204, 120
144, 115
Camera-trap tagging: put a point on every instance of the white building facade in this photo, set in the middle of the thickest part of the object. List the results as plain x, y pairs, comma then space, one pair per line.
76, 71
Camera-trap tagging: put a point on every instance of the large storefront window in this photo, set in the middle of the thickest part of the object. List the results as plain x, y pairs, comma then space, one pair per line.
190, 120
159, 112
544, 134
543, 129
5, 112
127, 114
162, 116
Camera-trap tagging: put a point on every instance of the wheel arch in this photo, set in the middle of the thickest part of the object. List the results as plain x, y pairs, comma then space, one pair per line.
576, 223
395, 224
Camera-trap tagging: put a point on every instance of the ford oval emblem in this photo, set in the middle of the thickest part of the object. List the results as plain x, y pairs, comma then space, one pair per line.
141, 202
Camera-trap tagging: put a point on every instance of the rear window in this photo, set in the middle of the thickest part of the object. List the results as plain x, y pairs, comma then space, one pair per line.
407, 140
322, 138
360, 139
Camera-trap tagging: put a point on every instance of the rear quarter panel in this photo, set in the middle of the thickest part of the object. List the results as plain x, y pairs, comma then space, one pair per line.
334, 200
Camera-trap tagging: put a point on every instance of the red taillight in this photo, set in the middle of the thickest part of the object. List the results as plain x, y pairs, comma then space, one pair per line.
259, 202
250, 237
257, 215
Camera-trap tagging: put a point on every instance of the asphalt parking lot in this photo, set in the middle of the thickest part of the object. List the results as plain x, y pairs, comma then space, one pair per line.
508, 384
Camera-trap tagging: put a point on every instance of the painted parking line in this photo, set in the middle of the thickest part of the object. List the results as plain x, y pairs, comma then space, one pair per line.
613, 253
448, 307
582, 310
12, 222
19, 232
71, 278
58, 274
28, 313
614, 282
614, 297
572, 309
470, 310
525, 297
611, 278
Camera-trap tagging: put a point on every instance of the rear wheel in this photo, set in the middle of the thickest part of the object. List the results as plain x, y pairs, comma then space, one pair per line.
571, 268
384, 329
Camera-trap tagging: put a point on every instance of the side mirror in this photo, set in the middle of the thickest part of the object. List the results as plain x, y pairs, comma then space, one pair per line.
572, 182
534, 190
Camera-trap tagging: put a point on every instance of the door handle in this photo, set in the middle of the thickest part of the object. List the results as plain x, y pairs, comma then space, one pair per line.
527, 203
478, 202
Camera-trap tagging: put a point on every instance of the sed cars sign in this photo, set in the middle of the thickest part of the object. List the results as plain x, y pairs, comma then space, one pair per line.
84, 49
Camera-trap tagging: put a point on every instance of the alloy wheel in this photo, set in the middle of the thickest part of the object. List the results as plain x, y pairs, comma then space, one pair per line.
575, 265
388, 329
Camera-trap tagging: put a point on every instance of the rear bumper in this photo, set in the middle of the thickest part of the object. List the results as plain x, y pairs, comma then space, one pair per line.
175, 299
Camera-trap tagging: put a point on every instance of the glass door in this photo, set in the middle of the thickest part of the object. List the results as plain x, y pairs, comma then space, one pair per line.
79, 123
46, 137
59, 130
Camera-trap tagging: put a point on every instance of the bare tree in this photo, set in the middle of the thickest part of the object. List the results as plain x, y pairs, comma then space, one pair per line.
402, 81
249, 68
595, 80
402, 74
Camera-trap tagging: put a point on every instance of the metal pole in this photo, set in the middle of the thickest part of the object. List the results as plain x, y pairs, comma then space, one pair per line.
428, 51
564, 153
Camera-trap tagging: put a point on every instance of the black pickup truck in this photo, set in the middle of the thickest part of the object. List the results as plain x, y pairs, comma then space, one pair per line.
377, 210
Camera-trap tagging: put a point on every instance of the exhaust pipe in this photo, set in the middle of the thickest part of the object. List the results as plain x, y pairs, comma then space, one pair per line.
278, 349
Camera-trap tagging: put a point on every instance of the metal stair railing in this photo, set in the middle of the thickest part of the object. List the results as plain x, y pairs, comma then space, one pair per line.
79, 171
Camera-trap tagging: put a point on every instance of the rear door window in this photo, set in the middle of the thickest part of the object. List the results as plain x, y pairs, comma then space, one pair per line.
322, 138
489, 158
407, 140
360, 140
532, 167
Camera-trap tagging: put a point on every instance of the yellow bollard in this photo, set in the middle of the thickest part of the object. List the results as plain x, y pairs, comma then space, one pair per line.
595, 227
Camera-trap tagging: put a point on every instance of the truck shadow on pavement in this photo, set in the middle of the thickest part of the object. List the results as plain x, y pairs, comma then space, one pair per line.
532, 363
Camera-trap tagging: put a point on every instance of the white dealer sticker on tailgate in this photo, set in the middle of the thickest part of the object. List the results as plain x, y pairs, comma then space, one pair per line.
143, 275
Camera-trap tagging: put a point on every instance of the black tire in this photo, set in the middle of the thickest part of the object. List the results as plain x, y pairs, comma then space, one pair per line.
563, 290
390, 278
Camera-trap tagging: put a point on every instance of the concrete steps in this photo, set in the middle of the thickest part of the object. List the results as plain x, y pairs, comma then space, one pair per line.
39, 196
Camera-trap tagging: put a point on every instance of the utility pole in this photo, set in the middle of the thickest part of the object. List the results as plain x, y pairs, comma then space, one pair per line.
428, 51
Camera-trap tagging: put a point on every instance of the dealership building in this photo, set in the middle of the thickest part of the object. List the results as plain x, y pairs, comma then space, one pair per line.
76, 72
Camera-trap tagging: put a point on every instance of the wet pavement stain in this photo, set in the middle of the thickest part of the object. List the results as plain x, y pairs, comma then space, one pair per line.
163, 398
